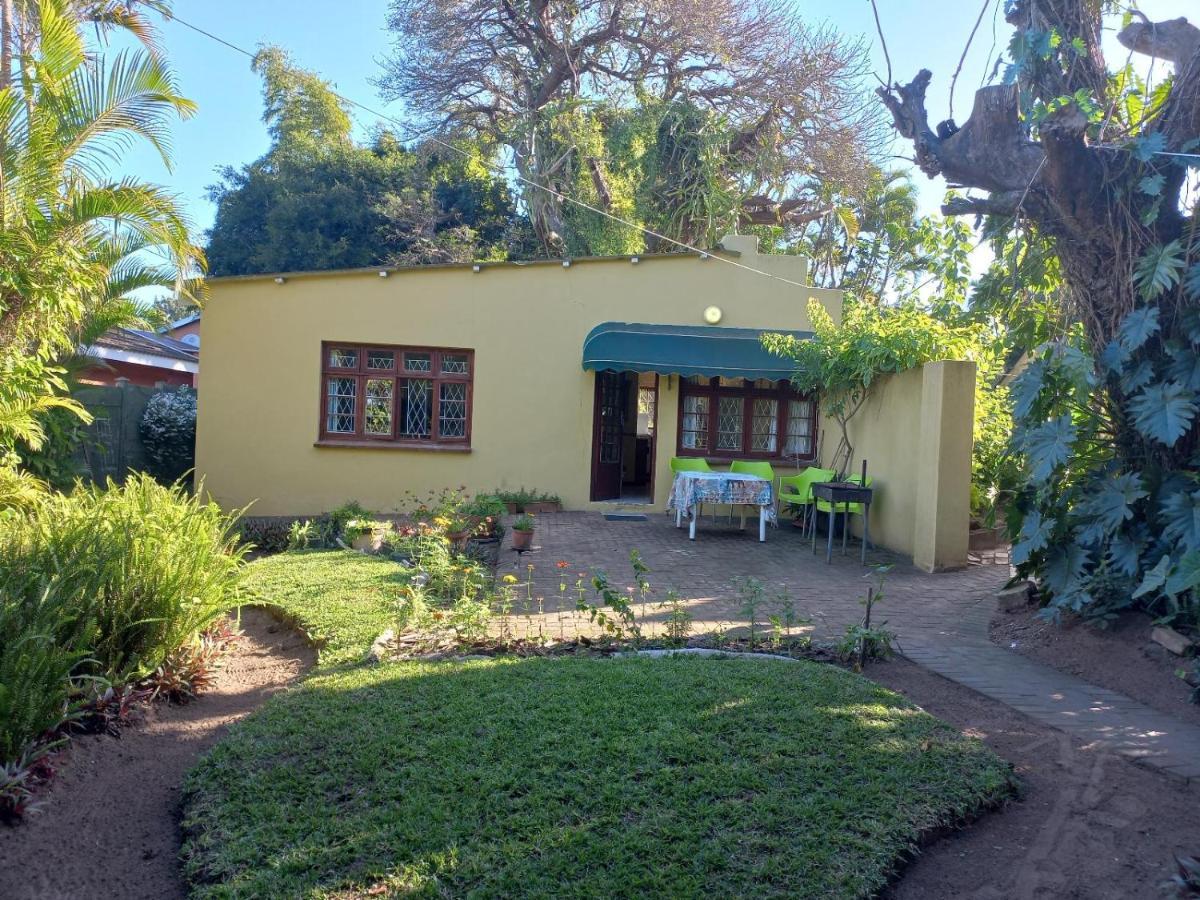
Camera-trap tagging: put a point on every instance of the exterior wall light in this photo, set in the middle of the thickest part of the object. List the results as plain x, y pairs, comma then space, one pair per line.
383, 273
704, 256
279, 279
566, 264
634, 260
475, 268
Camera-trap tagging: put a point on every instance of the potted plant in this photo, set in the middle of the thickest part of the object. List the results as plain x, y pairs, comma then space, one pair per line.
365, 534
543, 503
459, 528
522, 530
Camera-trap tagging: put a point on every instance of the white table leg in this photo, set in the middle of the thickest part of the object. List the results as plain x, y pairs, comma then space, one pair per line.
762, 524
692, 528
679, 517
743, 509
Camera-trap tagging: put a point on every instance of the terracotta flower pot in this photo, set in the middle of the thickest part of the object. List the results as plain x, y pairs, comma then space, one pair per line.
512, 507
542, 506
458, 539
522, 540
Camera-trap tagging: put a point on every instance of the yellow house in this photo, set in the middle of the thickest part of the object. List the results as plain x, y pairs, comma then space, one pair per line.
582, 378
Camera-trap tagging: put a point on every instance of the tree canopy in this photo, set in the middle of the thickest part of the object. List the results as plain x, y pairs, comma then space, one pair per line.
687, 116
319, 200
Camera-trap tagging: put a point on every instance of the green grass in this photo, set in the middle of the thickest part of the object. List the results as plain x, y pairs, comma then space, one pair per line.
342, 598
578, 776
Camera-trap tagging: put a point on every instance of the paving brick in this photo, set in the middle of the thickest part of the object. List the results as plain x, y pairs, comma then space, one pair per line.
941, 620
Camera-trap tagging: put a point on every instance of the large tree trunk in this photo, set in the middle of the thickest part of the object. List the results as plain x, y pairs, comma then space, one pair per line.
543, 206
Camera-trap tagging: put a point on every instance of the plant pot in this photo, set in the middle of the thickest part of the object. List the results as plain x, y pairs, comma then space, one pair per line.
370, 541
513, 507
458, 539
522, 540
542, 506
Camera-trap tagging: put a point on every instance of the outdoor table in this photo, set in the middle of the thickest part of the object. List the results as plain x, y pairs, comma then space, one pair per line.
838, 493
691, 489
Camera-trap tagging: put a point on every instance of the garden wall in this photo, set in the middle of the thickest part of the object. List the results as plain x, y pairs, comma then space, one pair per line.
113, 448
915, 431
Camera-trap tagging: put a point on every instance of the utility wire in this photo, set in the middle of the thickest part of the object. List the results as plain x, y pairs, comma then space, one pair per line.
500, 170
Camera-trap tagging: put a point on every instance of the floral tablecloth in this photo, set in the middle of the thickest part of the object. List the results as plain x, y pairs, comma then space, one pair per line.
733, 488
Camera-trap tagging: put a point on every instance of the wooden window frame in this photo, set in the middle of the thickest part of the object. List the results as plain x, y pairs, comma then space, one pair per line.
396, 374
783, 393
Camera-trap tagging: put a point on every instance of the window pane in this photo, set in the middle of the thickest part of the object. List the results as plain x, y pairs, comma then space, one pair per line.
377, 416
341, 396
454, 363
418, 362
381, 359
694, 434
416, 396
729, 423
764, 426
341, 358
452, 409
799, 428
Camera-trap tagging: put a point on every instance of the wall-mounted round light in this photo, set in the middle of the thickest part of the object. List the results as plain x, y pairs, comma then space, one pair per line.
279, 279
712, 315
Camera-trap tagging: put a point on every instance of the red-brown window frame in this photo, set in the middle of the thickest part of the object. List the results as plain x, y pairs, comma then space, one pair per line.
781, 392
396, 374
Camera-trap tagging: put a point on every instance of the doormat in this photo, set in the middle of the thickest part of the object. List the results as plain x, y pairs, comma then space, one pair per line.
626, 517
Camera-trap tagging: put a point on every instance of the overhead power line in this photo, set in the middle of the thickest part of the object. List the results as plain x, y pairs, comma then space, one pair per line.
500, 170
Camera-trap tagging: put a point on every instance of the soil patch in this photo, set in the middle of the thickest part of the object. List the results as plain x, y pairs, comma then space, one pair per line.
1121, 657
108, 825
1088, 825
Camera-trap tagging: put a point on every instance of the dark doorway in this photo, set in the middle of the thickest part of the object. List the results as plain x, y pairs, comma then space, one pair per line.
623, 429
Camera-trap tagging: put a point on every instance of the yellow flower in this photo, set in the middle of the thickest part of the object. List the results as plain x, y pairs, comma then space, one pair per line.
509, 579
442, 520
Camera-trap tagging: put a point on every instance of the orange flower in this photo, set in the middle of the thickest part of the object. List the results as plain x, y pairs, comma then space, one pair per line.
563, 564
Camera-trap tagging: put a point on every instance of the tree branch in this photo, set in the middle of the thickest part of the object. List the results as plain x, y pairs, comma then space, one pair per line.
1175, 40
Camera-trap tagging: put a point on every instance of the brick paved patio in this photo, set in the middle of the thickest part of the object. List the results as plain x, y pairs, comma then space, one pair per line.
941, 620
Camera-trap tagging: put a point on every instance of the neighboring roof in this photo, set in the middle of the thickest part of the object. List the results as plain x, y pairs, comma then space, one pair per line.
477, 264
146, 348
685, 350
186, 320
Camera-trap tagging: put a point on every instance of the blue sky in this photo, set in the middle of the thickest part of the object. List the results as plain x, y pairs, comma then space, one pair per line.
344, 41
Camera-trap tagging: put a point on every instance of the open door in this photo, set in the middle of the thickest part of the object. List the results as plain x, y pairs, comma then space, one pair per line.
608, 435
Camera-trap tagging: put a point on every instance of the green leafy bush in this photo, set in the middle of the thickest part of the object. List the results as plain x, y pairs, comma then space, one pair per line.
148, 566
266, 534
168, 433
1107, 518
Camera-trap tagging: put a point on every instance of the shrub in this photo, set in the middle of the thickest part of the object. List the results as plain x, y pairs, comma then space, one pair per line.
168, 433
148, 566
266, 534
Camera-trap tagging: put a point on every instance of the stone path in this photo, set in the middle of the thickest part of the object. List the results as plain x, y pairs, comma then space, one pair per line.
941, 620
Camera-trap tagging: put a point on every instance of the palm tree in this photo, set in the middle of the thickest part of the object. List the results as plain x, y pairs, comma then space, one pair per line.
74, 241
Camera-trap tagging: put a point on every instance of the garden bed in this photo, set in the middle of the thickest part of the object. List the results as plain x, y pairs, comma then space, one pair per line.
107, 825
537, 777
1121, 658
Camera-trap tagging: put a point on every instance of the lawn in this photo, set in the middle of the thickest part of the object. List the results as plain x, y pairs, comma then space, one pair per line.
342, 598
582, 776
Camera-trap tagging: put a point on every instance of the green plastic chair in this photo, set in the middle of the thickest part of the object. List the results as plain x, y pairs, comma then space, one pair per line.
748, 467
689, 464
761, 469
796, 490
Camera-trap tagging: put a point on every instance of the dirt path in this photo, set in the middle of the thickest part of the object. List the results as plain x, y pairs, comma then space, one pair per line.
109, 823
1088, 825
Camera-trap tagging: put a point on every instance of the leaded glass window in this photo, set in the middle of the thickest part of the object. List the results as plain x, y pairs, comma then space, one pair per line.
745, 418
729, 423
341, 405
694, 432
401, 395
378, 411
764, 425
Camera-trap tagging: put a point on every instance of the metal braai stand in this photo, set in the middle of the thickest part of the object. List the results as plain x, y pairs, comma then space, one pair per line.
843, 493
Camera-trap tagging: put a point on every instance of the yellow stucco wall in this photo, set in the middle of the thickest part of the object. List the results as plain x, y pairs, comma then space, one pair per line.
915, 433
532, 415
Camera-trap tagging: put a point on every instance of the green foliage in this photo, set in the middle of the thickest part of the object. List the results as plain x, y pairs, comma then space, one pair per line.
318, 201
168, 433
150, 565
841, 362
1107, 525
680, 777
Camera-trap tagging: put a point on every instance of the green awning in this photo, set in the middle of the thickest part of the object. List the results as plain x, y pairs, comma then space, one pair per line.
685, 350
